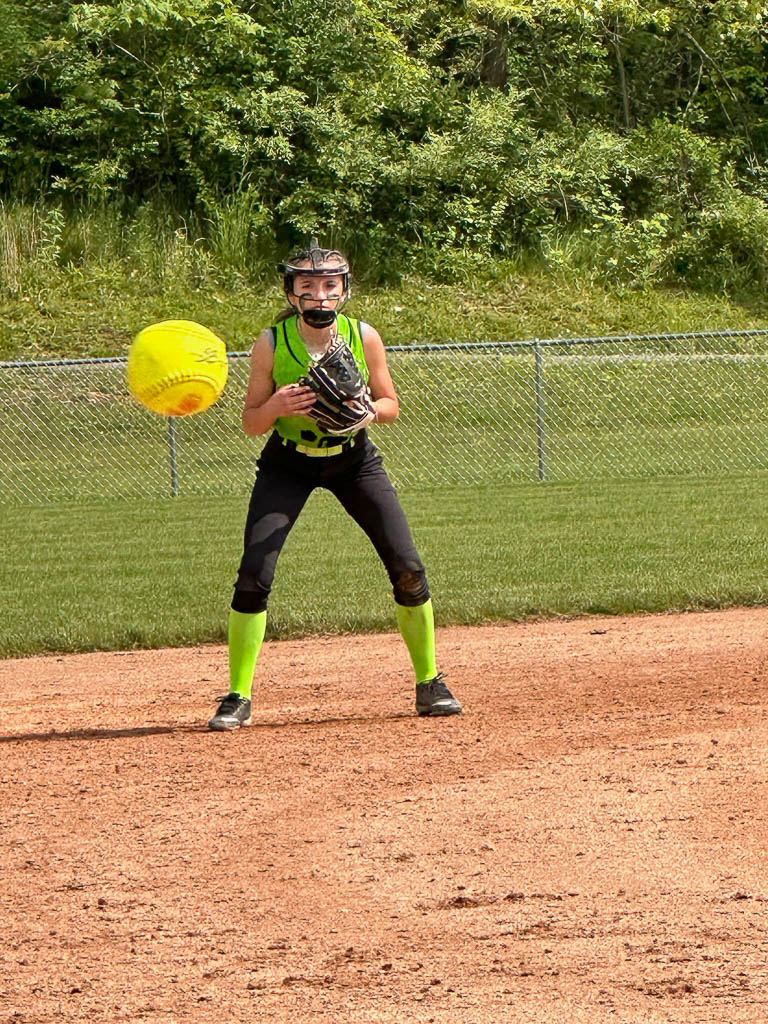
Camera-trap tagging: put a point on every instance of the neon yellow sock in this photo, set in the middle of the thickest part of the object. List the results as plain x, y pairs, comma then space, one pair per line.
417, 627
246, 635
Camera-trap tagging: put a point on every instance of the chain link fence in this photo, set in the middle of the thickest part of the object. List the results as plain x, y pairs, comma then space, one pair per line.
556, 409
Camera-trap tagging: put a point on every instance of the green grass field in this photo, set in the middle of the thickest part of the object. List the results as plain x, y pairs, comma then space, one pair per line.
148, 574
657, 477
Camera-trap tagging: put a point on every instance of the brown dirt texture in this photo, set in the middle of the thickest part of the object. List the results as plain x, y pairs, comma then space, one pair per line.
587, 842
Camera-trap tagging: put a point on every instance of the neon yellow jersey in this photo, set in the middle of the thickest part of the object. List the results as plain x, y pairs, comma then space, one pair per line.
292, 362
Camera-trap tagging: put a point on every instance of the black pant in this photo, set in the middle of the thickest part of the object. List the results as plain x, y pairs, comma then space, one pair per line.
284, 482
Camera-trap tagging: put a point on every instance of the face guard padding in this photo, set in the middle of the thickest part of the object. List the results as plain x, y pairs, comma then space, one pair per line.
315, 262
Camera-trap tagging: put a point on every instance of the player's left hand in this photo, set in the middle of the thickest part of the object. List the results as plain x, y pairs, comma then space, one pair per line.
343, 403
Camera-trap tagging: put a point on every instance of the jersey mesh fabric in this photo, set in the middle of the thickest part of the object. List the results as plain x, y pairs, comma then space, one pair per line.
292, 361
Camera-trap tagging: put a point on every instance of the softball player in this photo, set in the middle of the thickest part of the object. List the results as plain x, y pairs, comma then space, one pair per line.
298, 457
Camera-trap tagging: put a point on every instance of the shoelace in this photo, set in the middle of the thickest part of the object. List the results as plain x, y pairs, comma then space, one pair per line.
435, 683
439, 689
229, 702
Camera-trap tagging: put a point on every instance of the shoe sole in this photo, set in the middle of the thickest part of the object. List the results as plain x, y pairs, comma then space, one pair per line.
438, 712
215, 726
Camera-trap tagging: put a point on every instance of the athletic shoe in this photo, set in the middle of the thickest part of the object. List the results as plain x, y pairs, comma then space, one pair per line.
234, 712
434, 698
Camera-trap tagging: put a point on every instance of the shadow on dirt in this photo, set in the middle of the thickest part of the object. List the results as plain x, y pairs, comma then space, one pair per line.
168, 730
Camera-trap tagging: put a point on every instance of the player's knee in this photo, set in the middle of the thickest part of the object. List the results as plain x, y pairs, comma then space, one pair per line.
410, 587
250, 595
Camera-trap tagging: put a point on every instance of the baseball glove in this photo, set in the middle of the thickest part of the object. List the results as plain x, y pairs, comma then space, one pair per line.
343, 402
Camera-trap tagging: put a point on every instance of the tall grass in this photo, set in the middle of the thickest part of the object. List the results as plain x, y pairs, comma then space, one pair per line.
81, 281
154, 244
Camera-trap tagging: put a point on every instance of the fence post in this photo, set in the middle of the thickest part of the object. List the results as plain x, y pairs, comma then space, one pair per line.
540, 420
172, 452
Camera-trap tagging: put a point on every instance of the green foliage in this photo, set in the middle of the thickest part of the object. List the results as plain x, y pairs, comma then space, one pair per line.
629, 137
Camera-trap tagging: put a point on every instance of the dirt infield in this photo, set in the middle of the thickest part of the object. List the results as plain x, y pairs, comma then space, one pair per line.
588, 842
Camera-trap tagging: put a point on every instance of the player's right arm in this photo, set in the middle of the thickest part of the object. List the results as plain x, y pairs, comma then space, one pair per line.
264, 404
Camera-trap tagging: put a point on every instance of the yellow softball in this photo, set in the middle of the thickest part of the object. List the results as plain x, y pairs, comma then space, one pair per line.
177, 367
